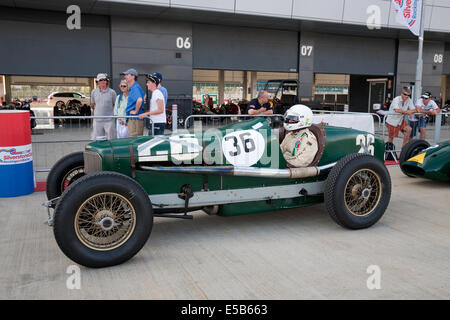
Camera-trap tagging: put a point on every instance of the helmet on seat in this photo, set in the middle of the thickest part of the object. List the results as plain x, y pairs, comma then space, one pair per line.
297, 117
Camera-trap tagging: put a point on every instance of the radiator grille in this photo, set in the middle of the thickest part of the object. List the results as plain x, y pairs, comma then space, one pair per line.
92, 162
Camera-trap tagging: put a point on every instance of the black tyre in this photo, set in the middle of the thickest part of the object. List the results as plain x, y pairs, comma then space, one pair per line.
103, 220
411, 149
357, 191
67, 170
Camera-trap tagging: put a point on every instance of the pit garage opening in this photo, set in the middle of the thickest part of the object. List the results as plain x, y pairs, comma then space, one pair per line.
231, 86
48, 96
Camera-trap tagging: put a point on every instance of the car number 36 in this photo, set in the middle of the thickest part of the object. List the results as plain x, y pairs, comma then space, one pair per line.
243, 148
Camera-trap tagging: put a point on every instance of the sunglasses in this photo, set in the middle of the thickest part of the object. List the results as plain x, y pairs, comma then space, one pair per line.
124, 86
405, 94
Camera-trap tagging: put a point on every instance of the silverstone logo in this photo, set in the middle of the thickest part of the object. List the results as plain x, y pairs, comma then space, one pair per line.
15, 155
409, 10
408, 13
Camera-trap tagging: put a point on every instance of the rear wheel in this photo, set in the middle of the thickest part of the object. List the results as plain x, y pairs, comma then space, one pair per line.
357, 191
409, 150
66, 171
103, 220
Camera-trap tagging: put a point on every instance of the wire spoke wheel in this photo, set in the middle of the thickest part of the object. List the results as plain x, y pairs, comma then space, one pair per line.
363, 192
357, 191
105, 221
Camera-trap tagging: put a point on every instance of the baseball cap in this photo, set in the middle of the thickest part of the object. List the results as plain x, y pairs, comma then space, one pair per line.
131, 71
426, 95
157, 75
152, 78
101, 76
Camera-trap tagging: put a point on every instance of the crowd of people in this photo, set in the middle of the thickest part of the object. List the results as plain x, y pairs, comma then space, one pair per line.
409, 116
132, 106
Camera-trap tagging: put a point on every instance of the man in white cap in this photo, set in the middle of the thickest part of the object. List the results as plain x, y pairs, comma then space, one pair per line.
425, 105
299, 147
102, 101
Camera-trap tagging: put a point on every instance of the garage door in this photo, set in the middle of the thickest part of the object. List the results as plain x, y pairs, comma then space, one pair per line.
240, 48
39, 43
351, 55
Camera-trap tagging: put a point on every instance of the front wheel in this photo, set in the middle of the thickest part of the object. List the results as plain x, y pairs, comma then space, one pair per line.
411, 149
66, 171
357, 191
103, 220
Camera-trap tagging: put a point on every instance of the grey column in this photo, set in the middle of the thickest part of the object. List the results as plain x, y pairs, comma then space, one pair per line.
221, 87
306, 67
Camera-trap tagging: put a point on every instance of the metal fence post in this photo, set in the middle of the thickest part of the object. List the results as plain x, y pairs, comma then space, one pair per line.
437, 128
174, 118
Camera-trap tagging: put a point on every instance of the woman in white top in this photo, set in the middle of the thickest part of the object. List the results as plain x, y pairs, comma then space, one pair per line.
157, 110
120, 110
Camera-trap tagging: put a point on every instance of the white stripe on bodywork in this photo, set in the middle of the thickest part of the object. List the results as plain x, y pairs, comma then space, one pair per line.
210, 198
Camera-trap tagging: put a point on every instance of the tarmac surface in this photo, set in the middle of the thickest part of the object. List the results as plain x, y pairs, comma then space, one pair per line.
290, 254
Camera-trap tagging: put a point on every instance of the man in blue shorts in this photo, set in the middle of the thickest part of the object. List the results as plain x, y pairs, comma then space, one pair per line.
426, 106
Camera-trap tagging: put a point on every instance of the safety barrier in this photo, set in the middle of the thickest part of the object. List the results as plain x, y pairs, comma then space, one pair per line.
439, 125
221, 118
56, 136
377, 117
51, 140
434, 124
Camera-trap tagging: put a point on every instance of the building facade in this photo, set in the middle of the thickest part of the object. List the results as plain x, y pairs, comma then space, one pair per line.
343, 52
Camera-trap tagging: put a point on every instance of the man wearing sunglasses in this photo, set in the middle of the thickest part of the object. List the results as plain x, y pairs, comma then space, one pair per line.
102, 101
402, 106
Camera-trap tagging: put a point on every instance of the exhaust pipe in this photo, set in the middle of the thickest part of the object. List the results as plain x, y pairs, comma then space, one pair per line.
291, 173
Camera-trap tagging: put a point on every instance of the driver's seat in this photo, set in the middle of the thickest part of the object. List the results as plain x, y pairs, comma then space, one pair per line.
320, 134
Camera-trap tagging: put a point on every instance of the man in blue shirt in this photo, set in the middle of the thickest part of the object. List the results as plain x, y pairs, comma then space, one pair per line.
135, 103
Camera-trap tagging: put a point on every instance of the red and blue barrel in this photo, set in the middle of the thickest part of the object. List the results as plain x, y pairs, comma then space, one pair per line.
16, 158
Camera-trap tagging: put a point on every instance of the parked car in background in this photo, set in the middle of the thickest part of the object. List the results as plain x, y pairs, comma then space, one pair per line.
69, 104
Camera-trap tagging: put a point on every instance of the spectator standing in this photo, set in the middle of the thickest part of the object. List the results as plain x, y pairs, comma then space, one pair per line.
134, 104
425, 106
402, 105
208, 102
260, 105
163, 91
160, 87
157, 109
102, 101
120, 108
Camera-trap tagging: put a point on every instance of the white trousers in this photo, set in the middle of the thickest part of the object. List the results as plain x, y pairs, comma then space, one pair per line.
104, 128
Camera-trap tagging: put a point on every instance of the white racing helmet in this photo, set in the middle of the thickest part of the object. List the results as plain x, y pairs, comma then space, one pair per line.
297, 117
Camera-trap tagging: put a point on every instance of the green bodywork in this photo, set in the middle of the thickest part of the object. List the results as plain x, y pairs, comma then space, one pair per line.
115, 155
435, 164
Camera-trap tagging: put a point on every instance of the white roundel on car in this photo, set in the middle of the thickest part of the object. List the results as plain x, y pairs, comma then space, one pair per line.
243, 148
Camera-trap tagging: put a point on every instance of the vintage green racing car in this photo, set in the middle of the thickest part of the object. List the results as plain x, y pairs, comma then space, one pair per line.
419, 159
105, 198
